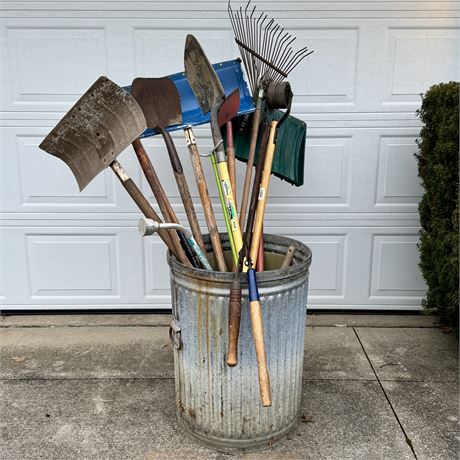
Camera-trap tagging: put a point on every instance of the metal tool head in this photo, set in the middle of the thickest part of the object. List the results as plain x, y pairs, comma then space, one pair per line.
229, 108
103, 122
202, 77
159, 100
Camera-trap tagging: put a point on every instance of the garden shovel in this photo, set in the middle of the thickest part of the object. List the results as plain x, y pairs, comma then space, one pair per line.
103, 123
210, 96
159, 100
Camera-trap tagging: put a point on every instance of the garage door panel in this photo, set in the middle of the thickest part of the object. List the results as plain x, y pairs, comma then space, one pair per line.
357, 93
71, 266
52, 80
398, 185
393, 257
417, 57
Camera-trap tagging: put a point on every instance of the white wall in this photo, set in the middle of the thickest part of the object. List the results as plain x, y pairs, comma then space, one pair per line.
358, 93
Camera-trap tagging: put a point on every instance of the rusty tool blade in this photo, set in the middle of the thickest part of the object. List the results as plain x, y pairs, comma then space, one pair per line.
229, 108
159, 100
103, 122
202, 77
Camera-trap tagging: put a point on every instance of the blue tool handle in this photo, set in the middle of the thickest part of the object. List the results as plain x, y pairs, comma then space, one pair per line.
199, 253
252, 282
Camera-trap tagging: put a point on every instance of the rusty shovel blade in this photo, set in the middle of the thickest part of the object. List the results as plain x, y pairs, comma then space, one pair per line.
103, 122
159, 100
202, 77
229, 108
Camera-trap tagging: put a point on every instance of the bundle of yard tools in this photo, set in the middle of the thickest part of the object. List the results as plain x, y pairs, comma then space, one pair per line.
108, 118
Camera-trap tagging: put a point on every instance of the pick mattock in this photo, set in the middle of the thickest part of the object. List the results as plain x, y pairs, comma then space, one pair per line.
102, 123
267, 56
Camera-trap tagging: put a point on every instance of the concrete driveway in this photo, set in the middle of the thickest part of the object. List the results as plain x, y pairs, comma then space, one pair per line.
102, 387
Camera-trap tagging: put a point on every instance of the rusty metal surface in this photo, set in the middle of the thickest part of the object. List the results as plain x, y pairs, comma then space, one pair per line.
103, 122
220, 405
202, 77
229, 108
159, 100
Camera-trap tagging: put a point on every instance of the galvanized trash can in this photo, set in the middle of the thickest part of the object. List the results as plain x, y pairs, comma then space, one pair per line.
220, 405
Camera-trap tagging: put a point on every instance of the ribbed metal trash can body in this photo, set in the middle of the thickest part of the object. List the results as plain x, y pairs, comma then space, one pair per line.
221, 405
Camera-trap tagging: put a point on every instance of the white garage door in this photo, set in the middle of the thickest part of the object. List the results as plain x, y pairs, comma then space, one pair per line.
358, 93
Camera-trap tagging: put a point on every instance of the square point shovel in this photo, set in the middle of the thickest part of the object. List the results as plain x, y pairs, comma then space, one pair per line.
89, 138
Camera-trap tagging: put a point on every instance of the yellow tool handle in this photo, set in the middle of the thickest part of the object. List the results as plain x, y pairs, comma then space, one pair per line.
263, 191
230, 206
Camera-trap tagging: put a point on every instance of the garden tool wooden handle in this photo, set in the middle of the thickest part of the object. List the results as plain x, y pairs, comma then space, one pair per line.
289, 256
258, 337
141, 202
231, 160
250, 163
160, 196
183, 189
263, 190
260, 255
234, 317
205, 200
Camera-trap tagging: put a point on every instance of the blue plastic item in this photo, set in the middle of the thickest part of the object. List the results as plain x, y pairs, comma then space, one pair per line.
231, 77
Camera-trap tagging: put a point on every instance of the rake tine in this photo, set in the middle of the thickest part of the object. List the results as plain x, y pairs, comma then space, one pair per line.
299, 59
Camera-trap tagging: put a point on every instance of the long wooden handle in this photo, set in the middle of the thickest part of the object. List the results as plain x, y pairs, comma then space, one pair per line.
231, 160
234, 317
251, 154
160, 196
258, 337
141, 202
205, 200
260, 255
263, 190
183, 189
289, 256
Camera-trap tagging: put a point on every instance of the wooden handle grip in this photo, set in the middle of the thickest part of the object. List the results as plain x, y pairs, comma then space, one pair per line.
249, 166
141, 202
263, 191
183, 189
258, 337
231, 160
160, 196
205, 201
289, 256
190, 210
234, 317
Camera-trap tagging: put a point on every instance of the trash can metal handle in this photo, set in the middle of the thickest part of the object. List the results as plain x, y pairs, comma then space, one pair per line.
175, 334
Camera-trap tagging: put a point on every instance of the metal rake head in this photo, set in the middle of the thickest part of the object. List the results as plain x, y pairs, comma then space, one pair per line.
265, 46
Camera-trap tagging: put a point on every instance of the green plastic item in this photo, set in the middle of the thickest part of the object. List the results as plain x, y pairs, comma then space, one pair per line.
289, 159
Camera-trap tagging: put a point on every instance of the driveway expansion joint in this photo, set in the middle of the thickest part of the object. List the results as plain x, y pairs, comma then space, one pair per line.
408, 440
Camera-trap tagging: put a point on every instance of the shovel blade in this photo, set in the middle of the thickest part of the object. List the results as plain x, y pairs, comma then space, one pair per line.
103, 122
159, 100
202, 77
229, 108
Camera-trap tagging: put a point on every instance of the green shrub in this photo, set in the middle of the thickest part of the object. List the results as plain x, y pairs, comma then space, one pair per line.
438, 168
